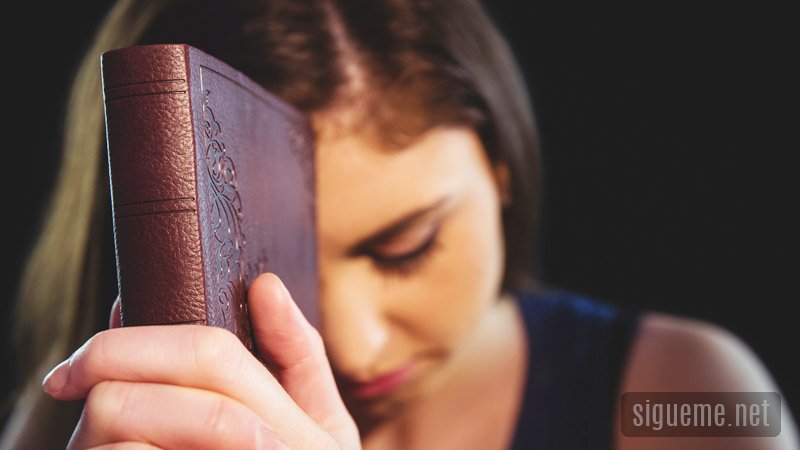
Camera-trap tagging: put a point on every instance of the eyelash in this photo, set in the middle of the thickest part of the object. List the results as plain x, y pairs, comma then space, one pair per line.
406, 264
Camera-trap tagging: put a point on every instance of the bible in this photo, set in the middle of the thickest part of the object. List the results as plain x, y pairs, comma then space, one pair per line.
212, 183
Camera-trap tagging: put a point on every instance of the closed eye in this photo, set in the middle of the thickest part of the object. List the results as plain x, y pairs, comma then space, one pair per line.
407, 263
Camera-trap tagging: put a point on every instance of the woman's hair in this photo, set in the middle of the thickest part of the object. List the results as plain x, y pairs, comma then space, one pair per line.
403, 66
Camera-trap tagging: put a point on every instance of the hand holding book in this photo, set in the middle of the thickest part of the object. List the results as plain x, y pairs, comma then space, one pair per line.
198, 387
212, 183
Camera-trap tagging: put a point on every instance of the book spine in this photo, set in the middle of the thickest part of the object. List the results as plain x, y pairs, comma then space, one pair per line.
151, 153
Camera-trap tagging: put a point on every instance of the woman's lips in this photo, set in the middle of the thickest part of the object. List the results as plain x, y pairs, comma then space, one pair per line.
382, 383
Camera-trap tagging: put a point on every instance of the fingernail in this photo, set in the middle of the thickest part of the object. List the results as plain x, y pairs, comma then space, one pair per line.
54, 382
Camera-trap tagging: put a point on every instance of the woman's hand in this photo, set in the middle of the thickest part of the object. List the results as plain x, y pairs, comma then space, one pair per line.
198, 387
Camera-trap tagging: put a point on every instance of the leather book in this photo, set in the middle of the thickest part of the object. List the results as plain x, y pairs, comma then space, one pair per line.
212, 183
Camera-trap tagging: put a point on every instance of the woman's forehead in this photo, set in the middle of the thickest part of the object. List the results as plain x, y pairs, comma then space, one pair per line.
360, 185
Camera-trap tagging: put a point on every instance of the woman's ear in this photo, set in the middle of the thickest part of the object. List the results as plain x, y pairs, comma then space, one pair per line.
502, 178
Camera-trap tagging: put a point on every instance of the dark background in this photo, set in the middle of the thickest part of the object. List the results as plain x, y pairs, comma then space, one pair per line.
668, 138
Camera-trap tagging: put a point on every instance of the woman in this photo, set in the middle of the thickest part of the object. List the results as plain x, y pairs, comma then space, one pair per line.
431, 335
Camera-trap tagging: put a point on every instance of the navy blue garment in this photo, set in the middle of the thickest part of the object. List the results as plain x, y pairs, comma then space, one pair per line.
577, 352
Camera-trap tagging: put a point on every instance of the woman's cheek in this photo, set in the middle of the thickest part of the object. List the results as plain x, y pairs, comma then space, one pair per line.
460, 283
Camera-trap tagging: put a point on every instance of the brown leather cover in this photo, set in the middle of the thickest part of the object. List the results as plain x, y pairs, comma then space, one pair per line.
212, 181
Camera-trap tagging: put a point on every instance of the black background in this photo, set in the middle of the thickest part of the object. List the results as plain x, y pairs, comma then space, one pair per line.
667, 135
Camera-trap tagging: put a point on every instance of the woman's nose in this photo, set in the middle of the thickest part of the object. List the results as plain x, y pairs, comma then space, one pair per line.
353, 328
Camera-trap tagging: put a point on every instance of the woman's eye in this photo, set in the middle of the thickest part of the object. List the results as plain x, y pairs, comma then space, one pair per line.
407, 263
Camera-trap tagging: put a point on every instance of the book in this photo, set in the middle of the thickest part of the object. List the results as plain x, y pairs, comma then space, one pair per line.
212, 183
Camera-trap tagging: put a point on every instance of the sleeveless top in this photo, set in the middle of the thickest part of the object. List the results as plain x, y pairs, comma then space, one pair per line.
577, 352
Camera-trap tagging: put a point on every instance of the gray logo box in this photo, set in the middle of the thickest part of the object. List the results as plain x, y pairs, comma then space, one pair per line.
700, 414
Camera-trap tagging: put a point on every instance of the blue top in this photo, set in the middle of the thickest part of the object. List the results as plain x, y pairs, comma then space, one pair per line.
578, 349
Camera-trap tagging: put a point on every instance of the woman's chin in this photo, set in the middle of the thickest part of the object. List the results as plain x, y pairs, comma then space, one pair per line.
368, 413
368, 406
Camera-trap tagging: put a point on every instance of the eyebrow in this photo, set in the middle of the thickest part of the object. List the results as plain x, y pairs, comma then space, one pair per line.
398, 226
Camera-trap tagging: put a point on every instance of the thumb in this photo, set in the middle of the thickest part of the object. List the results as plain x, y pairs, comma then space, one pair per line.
296, 355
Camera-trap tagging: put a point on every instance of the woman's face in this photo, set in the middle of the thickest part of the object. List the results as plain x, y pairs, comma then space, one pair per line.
411, 257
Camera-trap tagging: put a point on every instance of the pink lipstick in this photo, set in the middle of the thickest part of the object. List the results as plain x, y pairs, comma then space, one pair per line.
382, 383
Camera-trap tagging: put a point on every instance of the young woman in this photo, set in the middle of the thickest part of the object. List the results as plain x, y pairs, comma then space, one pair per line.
434, 332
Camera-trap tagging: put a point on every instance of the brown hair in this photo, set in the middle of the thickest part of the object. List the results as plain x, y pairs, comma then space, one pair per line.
408, 65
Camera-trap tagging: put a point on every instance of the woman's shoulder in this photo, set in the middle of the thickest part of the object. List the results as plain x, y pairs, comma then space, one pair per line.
662, 351
672, 352
585, 353
679, 354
